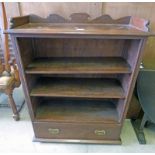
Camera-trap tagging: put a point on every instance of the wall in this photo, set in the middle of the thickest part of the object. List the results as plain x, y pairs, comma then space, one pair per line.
63, 9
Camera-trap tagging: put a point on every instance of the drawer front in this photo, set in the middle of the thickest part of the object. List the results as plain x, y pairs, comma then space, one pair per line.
76, 131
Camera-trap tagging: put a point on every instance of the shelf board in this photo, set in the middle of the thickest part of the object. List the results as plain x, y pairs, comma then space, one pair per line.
78, 87
78, 66
77, 111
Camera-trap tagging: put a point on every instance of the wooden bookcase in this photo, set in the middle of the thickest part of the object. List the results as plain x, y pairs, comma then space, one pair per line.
78, 74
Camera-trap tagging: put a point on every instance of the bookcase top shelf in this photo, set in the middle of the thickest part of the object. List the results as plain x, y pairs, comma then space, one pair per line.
78, 24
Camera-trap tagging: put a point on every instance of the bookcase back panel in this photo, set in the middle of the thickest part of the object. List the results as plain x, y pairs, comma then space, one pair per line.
71, 47
26, 50
75, 110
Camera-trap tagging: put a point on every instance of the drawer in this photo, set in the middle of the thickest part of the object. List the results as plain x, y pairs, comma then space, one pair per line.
48, 130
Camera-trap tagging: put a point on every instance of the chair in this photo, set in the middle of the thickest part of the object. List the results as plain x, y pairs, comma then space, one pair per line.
9, 76
145, 88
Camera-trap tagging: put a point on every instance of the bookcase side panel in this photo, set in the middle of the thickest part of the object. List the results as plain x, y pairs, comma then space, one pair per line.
134, 57
22, 62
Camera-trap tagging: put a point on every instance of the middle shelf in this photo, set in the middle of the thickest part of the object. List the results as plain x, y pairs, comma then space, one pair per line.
78, 65
78, 87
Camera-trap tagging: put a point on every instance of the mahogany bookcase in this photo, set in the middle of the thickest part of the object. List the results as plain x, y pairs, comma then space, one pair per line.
78, 74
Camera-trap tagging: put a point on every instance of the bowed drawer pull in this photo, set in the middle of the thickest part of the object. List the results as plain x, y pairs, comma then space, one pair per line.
53, 131
100, 132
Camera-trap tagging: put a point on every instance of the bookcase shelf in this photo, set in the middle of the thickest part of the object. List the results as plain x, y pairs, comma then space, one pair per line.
78, 74
69, 110
78, 88
74, 65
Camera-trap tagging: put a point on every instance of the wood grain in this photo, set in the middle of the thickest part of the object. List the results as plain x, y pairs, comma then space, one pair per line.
78, 66
95, 29
75, 132
112, 141
78, 88
69, 110
81, 25
78, 47
32, 45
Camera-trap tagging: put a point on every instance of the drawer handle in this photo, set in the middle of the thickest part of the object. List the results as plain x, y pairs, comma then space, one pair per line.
53, 131
100, 132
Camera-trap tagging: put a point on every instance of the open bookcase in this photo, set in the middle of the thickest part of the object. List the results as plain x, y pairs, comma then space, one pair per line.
78, 74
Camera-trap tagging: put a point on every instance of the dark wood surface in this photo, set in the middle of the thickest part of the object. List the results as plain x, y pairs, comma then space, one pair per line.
78, 29
78, 66
76, 131
78, 88
76, 141
105, 56
69, 110
134, 108
77, 47
80, 24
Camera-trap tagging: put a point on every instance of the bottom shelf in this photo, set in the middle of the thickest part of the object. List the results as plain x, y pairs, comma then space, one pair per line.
71, 110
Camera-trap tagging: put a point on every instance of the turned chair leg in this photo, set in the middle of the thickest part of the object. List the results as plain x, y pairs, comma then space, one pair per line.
14, 108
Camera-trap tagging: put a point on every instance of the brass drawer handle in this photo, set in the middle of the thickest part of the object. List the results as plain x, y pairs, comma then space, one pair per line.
53, 131
100, 132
